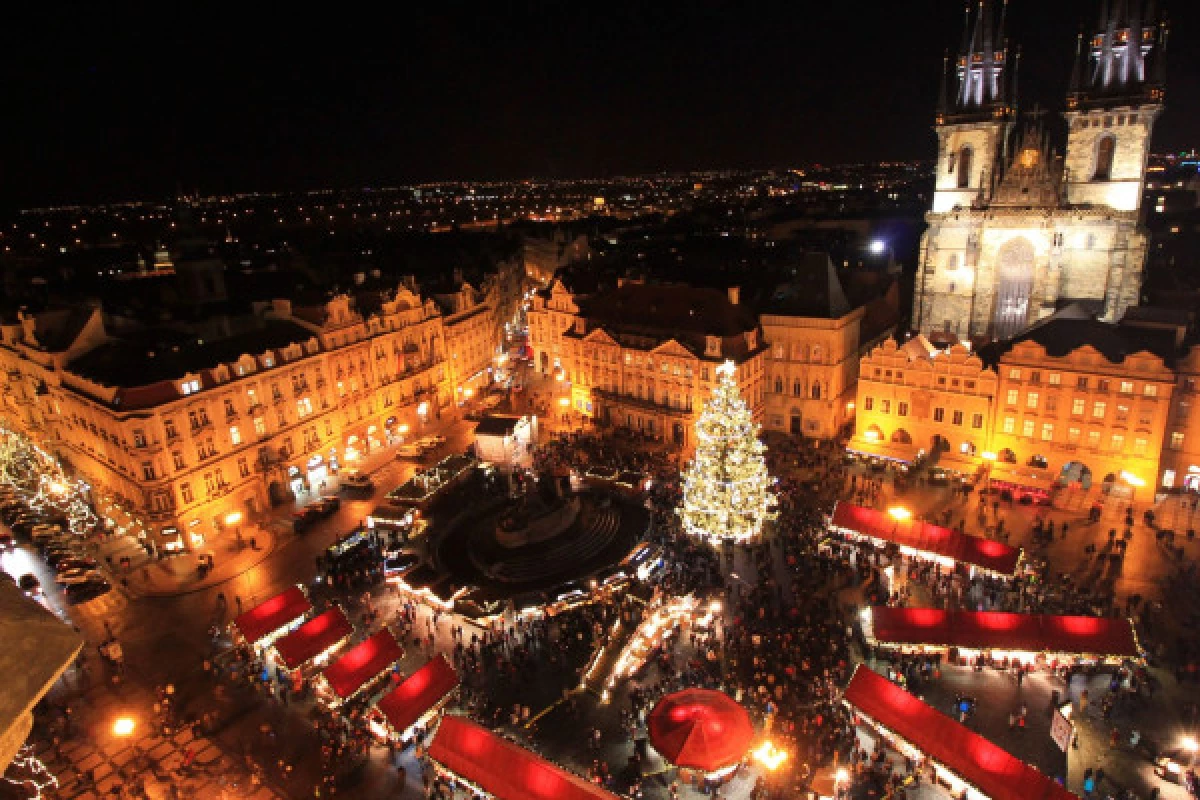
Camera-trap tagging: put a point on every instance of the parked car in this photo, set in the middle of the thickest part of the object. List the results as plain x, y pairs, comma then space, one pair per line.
80, 562
410, 451
73, 577
430, 442
327, 505
54, 557
304, 518
352, 481
29, 584
88, 590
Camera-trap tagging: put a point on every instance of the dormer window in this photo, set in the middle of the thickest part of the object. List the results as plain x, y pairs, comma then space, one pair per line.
189, 387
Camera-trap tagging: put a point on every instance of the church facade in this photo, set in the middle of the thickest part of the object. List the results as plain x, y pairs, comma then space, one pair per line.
1017, 230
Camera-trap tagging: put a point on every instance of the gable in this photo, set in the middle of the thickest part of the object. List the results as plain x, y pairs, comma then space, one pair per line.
673, 348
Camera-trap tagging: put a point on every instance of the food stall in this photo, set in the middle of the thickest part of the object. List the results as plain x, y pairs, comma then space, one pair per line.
506, 440
415, 702
359, 668
315, 641
269, 620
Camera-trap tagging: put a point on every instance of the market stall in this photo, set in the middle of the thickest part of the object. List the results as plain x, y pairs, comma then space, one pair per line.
468, 753
915, 537
314, 641
1005, 637
701, 730
506, 440
416, 701
963, 759
266, 622
360, 667
663, 619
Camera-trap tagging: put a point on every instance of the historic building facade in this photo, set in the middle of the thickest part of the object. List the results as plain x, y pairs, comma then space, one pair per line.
1017, 231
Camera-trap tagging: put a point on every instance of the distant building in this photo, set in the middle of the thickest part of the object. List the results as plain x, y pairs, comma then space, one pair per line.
1015, 231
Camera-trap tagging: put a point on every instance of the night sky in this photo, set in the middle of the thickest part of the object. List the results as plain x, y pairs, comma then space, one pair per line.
103, 104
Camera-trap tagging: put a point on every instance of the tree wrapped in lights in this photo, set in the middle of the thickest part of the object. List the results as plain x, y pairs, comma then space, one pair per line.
726, 488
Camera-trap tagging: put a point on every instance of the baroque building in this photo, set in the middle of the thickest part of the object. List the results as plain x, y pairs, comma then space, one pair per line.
1016, 230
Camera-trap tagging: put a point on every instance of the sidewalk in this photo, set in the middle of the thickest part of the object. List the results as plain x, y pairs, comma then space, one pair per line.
176, 575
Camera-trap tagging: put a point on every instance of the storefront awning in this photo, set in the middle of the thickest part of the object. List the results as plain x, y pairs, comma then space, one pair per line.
997, 630
313, 638
418, 693
934, 540
278, 612
991, 770
363, 663
505, 770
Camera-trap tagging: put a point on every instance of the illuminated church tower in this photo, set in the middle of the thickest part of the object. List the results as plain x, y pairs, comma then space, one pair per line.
1017, 231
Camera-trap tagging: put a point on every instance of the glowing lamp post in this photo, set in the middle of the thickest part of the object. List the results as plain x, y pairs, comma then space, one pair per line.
123, 727
234, 520
1134, 482
899, 513
989, 457
770, 756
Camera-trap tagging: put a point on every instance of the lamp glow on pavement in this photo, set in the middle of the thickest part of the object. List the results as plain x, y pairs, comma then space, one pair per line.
123, 726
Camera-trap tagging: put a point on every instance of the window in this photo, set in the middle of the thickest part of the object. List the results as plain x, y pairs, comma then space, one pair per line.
235, 436
1126, 387
1051, 403
1031, 400
1055, 379
956, 418
1118, 441
1177, 440
886, 406
1081, 382
939, 415
1027, 426
169, 426
193, 420
1012, 397
1145, 416
1077, 406
188, 387
797, 389
260, 426
1014, 374
1010, 424
1073, 435
1150, 390
902, 409
868, 403
977, 421
1122, 412
778, 385
1099, 408
1035, 377
964, 167
139, 438
148, 472
1139, 446
185, 491
1102, 385
179, 462
243, 467
1105, 148
229, 409
1047, 431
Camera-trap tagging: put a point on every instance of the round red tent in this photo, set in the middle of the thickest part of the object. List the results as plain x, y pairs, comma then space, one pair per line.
700, 729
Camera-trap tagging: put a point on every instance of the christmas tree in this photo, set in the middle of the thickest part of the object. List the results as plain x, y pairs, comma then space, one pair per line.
726, 489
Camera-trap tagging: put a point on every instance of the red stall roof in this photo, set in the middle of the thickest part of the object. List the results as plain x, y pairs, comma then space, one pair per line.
266, 618
363, 662
313, 638
998, 630
504, 770
995, 772
418, 693
919, 535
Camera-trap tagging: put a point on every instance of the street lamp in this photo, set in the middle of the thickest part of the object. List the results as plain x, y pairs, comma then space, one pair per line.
989, 457
899, 513
1134, 482
123, 726
770, 756
232, 519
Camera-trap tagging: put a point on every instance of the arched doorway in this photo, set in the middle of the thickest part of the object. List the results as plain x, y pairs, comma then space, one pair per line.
1076, 472
873, 434
1014, 285
901, 437
1007, 456
938, 444
677, 433
794, 424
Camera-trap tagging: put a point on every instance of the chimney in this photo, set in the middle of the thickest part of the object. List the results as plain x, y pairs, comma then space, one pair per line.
735, 295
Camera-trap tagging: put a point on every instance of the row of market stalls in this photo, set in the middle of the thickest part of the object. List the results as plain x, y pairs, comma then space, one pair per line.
1002, 636
965, 762
916, 537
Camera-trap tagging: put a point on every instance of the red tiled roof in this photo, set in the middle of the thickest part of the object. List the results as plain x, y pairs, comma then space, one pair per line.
362, 663
991, 770
919, 535
418, 693
997, 630
502, 769
313, 638
266, 618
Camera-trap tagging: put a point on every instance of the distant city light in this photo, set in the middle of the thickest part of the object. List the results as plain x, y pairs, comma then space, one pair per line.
877, 246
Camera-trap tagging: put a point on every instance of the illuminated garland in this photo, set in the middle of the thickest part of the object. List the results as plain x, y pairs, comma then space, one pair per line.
33, 774
42, 480
726, 487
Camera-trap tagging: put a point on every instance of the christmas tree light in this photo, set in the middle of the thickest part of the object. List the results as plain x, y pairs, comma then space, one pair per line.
726, 488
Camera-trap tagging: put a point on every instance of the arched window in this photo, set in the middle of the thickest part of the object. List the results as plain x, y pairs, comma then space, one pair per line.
964, 166
1105, 148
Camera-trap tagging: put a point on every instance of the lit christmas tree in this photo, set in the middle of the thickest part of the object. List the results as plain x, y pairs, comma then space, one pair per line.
726, 488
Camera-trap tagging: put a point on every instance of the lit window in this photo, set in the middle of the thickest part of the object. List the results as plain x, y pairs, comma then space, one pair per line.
1012, 397
1047, 431
235, 436
1031, 400
1099, 409
1014, 374
1010, 424
1077, 406
1118, 441
1126, 387
1177, 440
1027, 427
1073, 435
1093, 438
1139, 447
1055, 379
1150, 390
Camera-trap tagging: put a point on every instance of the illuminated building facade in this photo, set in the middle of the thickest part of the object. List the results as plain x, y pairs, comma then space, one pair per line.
1015, 230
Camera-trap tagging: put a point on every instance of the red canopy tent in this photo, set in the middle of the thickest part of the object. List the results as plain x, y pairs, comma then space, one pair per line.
418, 693
986, 554
278, 612
997, 630
313, 638
362, 663
991, 770
700, 729
502, 769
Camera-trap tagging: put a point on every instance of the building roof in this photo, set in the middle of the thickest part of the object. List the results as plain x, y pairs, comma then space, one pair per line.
497, 425
668, 309
418, 693
502, 769
363, 663
313, 638
919, 535
1070, 329
997, 630
268, 617
812, 290
994, 772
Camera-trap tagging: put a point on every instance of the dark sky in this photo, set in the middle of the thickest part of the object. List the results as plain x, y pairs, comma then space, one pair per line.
104, 102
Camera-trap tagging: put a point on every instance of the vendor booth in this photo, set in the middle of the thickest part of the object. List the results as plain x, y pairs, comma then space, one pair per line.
417, 699
916, 537
1004, 636
314, 641
468, 753
963, 759
506, 439
701, 730
360, 666
266, 622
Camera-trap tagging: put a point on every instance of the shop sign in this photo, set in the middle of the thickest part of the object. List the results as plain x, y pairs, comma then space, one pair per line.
1061, 729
